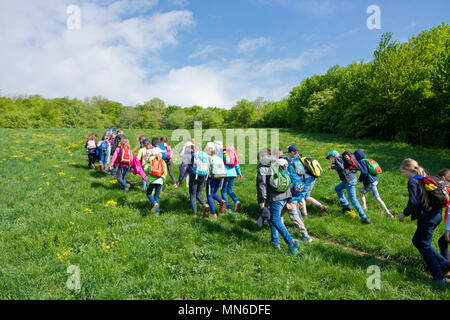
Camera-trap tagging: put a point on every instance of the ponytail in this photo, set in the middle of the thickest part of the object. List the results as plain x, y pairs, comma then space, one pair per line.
413, 166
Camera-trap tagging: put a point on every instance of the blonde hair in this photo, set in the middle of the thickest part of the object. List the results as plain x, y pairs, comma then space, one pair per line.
413, 166
124, 142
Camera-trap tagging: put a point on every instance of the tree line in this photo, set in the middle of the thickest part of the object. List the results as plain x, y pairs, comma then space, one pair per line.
402, 95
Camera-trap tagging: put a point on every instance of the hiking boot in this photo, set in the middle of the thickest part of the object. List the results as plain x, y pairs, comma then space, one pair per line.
206, 211
100, 167
322, 210
365, 221
237, 206
446, 270
390, 215
155, 206
293, 247
222, 206
346, 208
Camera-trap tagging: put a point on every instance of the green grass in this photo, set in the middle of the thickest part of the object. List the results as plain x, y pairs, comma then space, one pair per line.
174, 256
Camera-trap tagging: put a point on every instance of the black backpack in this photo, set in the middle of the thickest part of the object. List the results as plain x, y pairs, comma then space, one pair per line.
350, 162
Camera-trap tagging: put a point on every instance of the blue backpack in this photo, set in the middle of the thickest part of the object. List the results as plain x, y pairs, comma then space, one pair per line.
104, 145
296, 166
163, 149
201, 165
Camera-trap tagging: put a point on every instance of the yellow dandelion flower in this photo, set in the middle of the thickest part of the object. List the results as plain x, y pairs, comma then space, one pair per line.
61, 173
40, 189
107, 247
28, 159
26, 178
72, 223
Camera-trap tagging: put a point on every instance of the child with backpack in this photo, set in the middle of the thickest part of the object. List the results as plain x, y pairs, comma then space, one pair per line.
346, 167
233, 171
444, 240
164, 142
141, 159
217, 174
198, 169
293, 204
428, 213
273, 190
105, 149
309, 170
91, 146
369, 178
121, 159
186, 160
156, 169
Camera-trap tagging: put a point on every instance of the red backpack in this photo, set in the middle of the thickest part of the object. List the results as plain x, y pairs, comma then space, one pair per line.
350, 162
125, 155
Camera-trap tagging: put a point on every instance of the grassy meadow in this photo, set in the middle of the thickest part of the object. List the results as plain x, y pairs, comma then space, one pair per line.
55, 213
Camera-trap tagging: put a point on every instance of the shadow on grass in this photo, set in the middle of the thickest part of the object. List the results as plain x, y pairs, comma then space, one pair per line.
353, 260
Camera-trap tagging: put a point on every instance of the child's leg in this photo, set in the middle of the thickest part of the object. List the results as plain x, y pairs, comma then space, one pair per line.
295, 218
230, 190
422, 240
193, 193
339, 191
443, 247
377, 197
169, 168
157, 192
275, 223
362, 196
209, 195
200, 185
120, 179
223, 192
351, 190
150, 189
215, 188
183, 172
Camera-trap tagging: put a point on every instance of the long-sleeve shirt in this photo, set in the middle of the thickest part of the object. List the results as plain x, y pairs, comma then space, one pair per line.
414, 207
344, 173
116, 157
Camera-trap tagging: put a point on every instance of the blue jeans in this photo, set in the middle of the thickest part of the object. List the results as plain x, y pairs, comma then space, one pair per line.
351, 190
422, 240
155, 199
212, 186
309, 185
227, 188
104, 159
122, 175
275, 223
371, 187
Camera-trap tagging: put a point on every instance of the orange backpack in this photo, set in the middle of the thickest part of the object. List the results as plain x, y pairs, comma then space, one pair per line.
156, 168
125, 155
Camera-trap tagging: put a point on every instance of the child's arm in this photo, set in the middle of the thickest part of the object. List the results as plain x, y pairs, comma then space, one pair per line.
414, 198
114, 158
261, 188
238, 170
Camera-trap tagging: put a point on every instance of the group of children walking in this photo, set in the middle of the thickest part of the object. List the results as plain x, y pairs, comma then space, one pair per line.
284, 183
216, 168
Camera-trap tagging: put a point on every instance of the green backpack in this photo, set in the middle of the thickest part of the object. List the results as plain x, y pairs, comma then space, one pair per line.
279, 180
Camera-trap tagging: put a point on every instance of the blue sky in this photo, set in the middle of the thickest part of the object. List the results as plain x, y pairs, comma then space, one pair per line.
203, 52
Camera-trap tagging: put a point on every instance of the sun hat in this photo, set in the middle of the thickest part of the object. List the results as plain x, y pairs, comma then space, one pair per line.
332, 153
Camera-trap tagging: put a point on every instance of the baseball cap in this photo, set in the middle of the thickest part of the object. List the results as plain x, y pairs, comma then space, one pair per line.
332, 153
292, 148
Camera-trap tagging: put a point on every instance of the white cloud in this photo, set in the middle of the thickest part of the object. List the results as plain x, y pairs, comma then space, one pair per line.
117, 54
249, 45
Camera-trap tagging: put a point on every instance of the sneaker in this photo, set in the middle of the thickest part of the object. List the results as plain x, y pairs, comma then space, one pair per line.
100, 167
322, 210
276, 247
293, 246
127, 188
390, 215
237, 206
215, 215
446, 269
305, 215
439, 283
175, 186
260, 221
194, 216
206, 211
346, 208
223, 206
365, 221
307, 239
155, 206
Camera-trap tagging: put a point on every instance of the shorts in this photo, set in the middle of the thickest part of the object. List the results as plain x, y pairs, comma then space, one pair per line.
371, 187
309, 185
